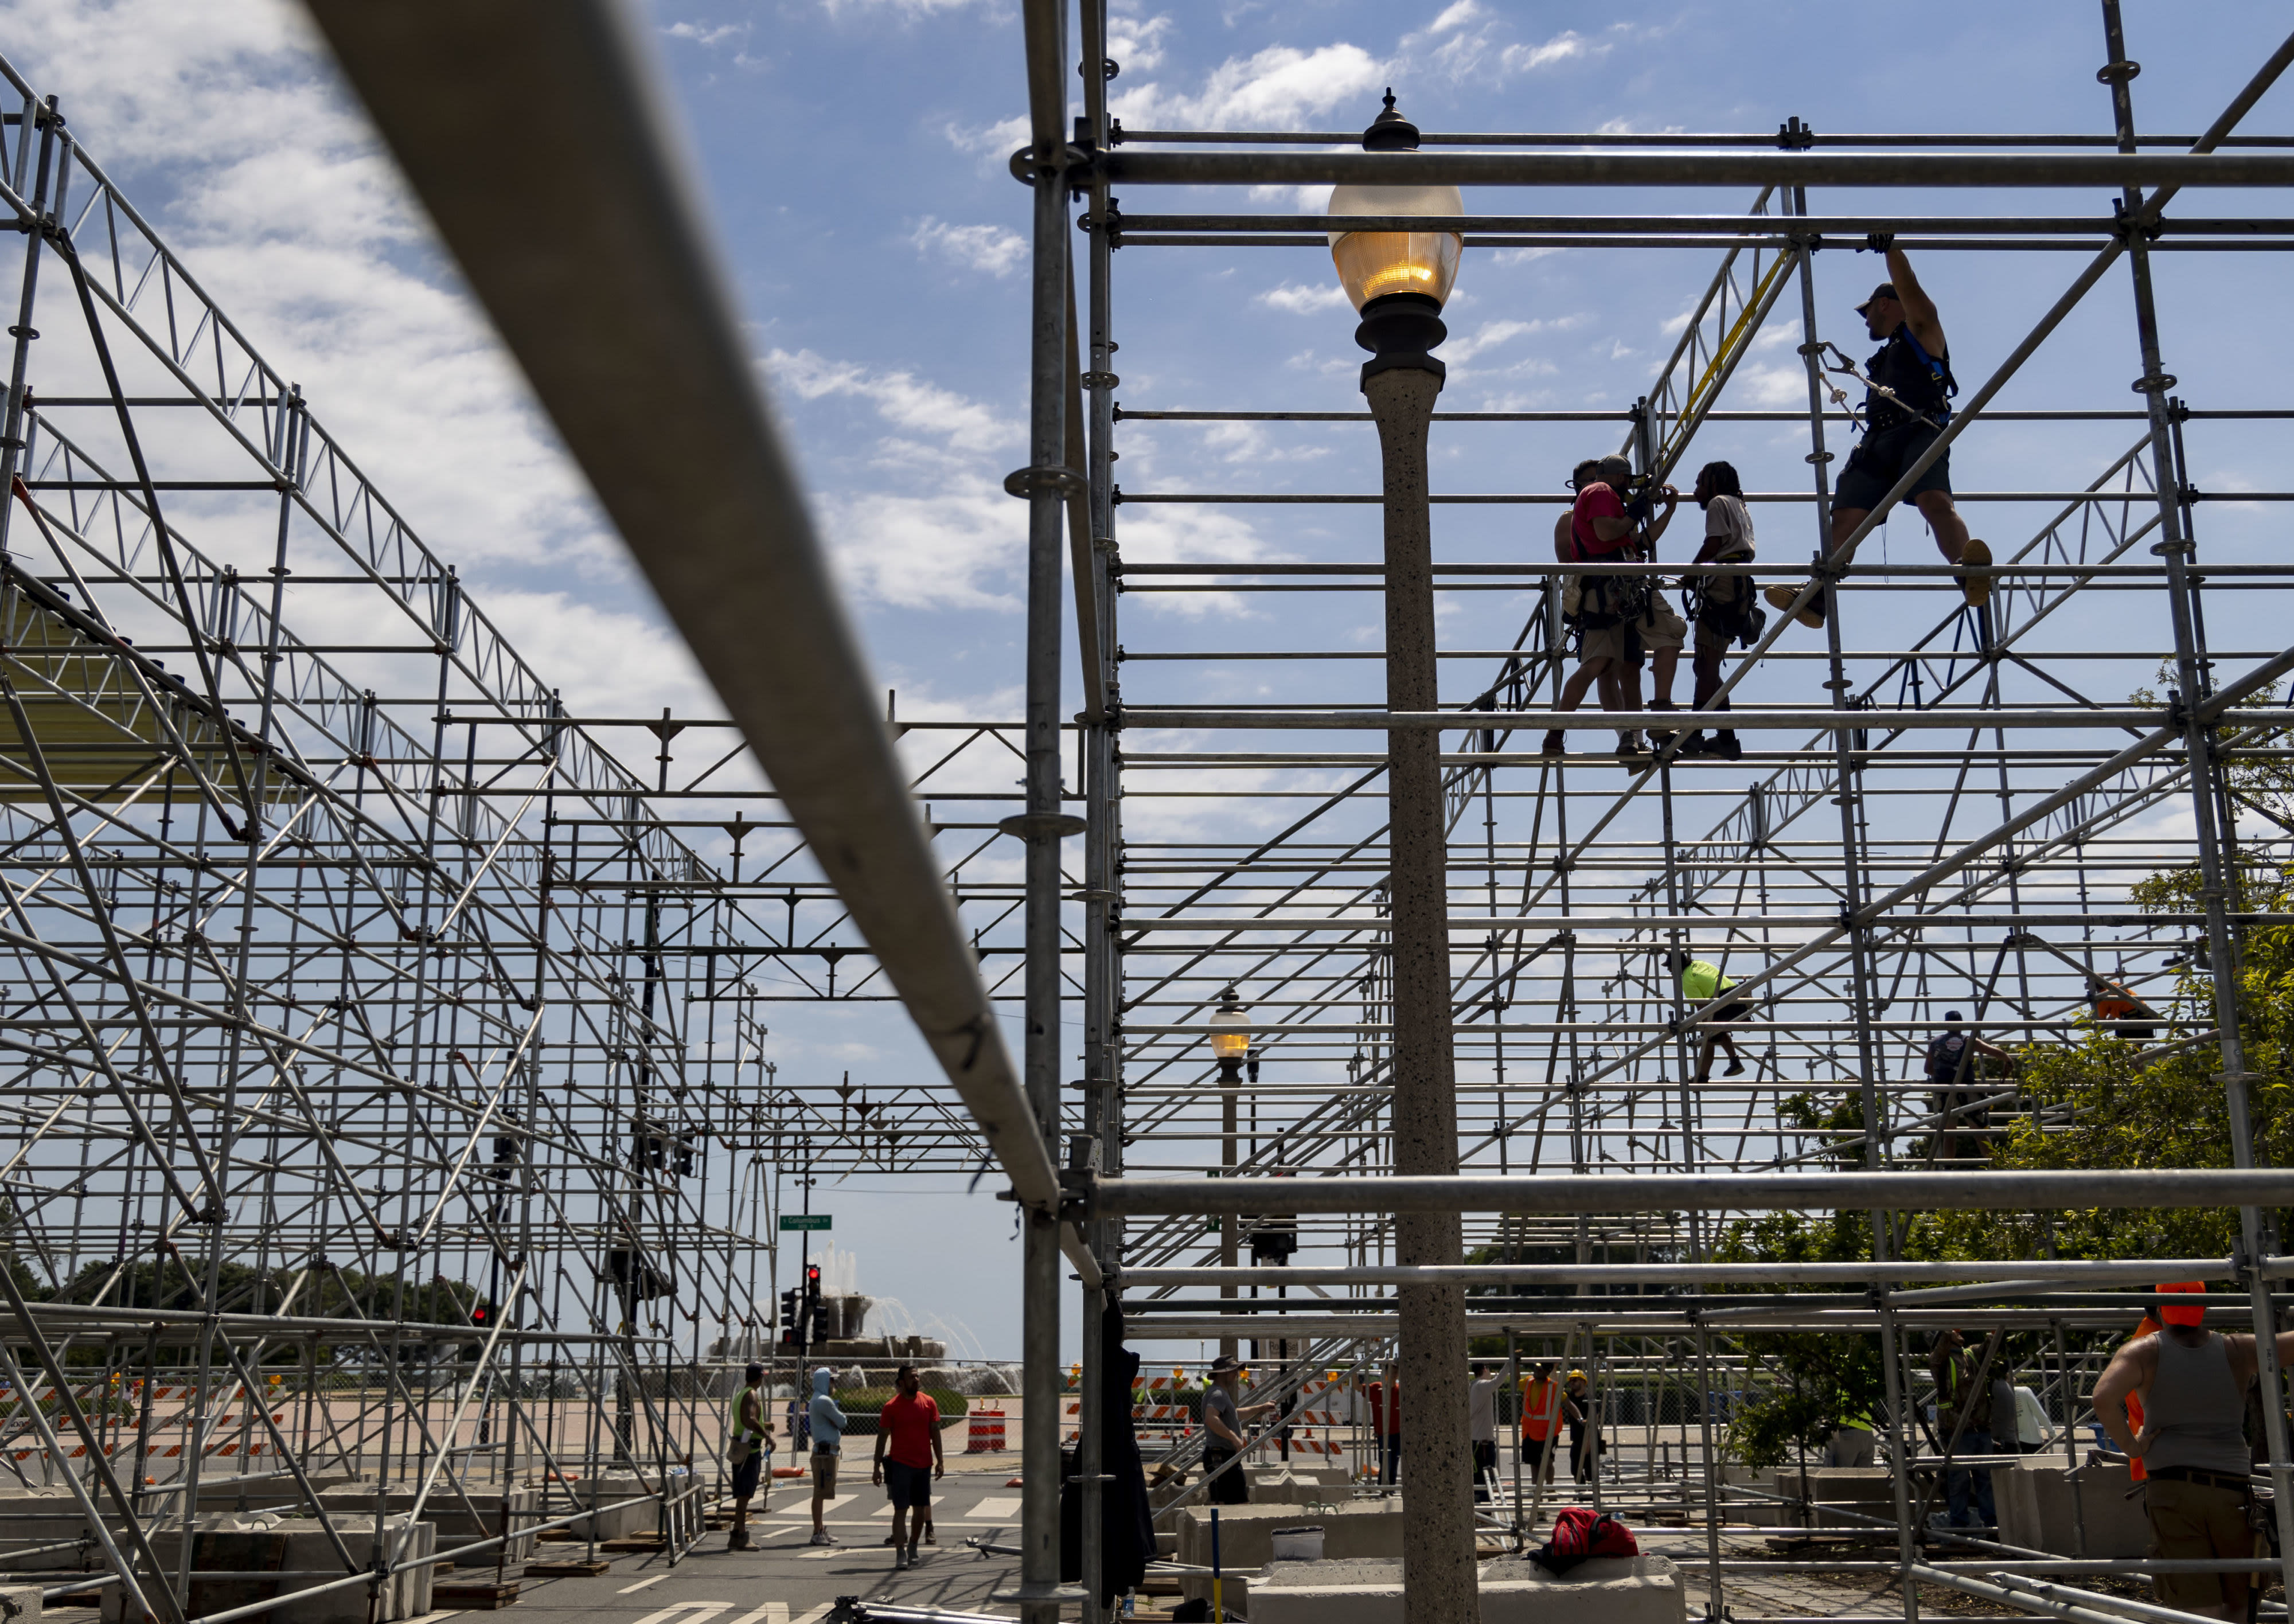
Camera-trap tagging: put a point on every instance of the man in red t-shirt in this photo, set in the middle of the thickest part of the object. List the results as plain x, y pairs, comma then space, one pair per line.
1386, 1425
1598, 530
907, 1458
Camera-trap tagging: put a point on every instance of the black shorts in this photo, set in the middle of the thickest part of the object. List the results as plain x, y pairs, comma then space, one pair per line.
1733, 1012
910, 1486
746, 1474
1230, 1488
1879, 461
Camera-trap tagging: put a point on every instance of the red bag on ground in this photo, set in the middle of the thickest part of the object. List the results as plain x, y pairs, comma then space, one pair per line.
1578, 1533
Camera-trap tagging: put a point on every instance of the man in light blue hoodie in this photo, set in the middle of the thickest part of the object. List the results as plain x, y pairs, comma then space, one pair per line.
828, 1424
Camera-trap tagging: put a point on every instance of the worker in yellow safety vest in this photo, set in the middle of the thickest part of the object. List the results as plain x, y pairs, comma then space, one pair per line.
748, 1447
1702, 983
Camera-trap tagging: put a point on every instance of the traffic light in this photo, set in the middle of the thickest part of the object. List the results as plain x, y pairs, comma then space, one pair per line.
790, 1300
482, 1314
816, 1312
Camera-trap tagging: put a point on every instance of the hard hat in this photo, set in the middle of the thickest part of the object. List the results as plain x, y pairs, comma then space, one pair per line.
1577, 1375
2178, 1314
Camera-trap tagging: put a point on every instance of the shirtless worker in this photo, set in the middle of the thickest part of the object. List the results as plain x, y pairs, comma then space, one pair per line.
1915, 366
2192, 1382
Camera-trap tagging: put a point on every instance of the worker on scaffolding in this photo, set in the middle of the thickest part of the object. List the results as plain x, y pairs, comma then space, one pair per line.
2198, 1495
1724, 606
1701, 983
1585, 1445
2119, 1013
1906, 407
1950, 1063
1618, 618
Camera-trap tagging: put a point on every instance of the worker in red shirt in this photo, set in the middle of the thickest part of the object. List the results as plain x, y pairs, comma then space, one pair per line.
908, 1457
1386, 1425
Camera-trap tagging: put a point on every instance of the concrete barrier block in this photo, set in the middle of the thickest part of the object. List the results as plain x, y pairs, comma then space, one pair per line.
1369, 1529
2041, 1507
1833, 1492
20, 1604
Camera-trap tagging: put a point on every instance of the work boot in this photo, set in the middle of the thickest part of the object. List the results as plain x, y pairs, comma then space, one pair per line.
901, 1559
1658, 741
739, 1541
1735, 1068
1724, 746
1628, 742
1695, 744
1781, 598
912, 1552
1976, 588
931, 1537
1553, 745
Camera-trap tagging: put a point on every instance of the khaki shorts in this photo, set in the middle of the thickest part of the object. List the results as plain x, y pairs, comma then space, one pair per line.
824, 1471
1661, 629
2198, 1521
1610, 643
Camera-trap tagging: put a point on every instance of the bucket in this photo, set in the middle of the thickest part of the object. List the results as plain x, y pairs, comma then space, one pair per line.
1296, 1544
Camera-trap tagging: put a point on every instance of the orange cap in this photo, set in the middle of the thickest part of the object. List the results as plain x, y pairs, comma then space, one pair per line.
2175, 1313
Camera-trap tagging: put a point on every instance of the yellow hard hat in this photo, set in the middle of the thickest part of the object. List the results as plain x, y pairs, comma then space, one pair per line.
1577, 1375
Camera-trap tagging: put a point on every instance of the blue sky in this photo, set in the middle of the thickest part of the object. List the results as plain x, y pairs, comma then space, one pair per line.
854, 152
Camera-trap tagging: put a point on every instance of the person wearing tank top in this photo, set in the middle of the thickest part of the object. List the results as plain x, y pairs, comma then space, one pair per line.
2193, 1384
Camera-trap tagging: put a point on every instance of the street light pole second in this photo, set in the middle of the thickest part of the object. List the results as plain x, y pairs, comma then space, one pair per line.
1406, 276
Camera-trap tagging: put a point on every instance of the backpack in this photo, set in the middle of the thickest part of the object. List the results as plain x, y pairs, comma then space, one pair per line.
1579, 1534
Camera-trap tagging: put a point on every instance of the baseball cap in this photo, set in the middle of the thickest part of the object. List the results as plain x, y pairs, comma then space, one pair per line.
1885, 291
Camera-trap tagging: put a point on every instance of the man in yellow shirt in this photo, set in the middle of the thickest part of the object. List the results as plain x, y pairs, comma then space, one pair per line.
1702, 982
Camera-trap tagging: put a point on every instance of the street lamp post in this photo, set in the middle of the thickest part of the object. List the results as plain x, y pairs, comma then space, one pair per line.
1229, 1027
1398, 280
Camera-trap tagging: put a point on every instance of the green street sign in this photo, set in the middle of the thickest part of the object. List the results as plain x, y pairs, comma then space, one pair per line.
805, 1221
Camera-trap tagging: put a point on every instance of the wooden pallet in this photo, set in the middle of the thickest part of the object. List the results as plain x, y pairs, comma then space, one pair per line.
567, 1567
636, 1545
474, 1595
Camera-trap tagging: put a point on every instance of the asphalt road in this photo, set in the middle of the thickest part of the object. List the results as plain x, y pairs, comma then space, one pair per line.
785, 1579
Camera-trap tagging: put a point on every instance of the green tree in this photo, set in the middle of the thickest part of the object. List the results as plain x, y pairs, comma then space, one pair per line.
1810, 1378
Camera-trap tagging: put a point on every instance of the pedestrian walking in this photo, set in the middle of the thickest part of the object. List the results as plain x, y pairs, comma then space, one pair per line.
908, 1457
749, 1449
829, 1422
2200, 1498
1224, 1440
1964, 1405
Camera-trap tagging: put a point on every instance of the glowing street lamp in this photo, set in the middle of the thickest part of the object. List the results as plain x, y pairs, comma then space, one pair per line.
1397, 280
1398, 277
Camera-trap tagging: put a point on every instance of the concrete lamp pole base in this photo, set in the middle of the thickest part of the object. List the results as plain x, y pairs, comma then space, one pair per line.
1437, 1503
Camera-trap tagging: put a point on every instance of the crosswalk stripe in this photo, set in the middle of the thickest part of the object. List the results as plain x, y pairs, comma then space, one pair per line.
697, 1612
641, 1584
771, 1612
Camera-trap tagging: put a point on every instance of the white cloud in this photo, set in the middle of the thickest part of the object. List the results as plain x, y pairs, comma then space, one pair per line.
1136, 43
1305, 299
899, 397
1277, 88
998, 140
703, 35
1567, 46
1457, 17
1193, 535
989, 248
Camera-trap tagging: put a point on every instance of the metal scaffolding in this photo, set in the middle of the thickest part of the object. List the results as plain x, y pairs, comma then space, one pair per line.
392, 1106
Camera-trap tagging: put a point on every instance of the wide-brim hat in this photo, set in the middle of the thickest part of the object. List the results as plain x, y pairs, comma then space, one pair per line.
1225, 1364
